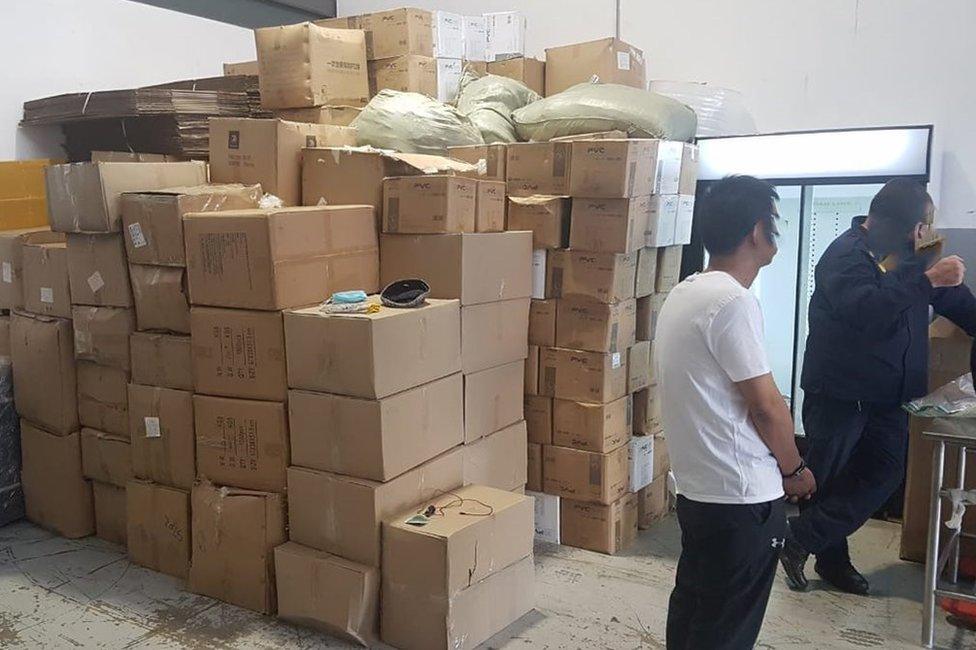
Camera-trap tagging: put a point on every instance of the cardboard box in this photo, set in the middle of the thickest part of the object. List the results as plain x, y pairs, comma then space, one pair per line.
640, 368
106, 457
334, 115
410, 73
662, 220
640, 451
505, 35
45, 278
648, 309
11, 261
548, 217
448, 79
328, 593
5, 336
45, 386
533, 481
110, 515
64, 505
342, 515
249, 68
490, 210
542, 322
475, 38
429, 204
684, 220
646, 272
372, 355
234, 533
531, 72
474, 267
375, 439
647, 411
531, 379
241, 442
652, 502
668, 268
538, 168
488, 158
662, 459
132, 156
160, 297
498, 460
602, 528
162, 435
310, 65
158, 527
592, 427
539, 268
612, 168
22, 199
611, 60
546, 517
448, 35
275, 259
161, 360
538, 419
585, 475
103, 401
584, 323
153, 221
97, 270
688, 179
391, 33
101, 335
609, 225
493, 333
608, 277
583, 376
492, 400
669, 154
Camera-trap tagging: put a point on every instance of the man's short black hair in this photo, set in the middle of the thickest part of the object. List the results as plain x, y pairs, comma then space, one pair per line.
903, 203
731, 210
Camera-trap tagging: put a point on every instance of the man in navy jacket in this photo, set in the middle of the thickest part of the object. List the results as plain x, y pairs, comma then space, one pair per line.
867, 354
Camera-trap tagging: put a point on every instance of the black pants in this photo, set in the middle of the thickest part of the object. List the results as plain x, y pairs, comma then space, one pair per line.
729, 555
857, 454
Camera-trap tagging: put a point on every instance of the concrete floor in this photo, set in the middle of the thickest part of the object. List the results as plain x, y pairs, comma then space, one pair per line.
85, 594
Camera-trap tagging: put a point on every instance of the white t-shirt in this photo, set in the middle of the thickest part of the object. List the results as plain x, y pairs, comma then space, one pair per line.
710, 336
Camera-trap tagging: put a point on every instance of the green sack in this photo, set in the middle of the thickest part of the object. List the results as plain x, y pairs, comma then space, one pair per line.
488, 102
413, 123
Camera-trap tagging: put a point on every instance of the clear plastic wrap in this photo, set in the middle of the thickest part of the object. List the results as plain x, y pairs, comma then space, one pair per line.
11, 492
957, 399
720, 111
488, 101
413, 123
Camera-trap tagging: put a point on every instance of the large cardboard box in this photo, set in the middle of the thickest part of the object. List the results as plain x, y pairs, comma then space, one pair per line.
542, 322
608, 277
493, 333
586, 475
391, 33
410, 73
448, 35
688, 180
640, 366
280, 258
11, 261
662, 459
652, 502
234, 533
641, 454
475, 39
158, 527
375, 439
87, 197
102, 335
153, 221
531, 379
538, 168
162, 437
56, 494
45, 278
429, 204
584, 323
583, 376
505, 35
45, 385
489, 159
538, 419
106, 457
662, 220
161, 360
249, 68
97, 271
684, 220
648, 309
668, 268
334, 115
533, 481
646, 272
548, 217
609, 225
426, 567
448, 79
103, 398
110, 514
372, 355
342, 515
610, 59
473, 267
596, 527
529, 71
160, 297
613, 168
329, 593
22, 200
647, 411
309, 65
592, 427
491, 208
498, 460
492, 400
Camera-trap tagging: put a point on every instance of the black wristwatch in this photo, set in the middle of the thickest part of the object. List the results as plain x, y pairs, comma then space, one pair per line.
797, 471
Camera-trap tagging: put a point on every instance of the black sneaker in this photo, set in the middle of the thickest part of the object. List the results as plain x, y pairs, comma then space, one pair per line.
793, 557
845, 577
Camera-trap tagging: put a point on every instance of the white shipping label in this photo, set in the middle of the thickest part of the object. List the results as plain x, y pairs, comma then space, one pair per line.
615, 360
623, 60
136, 235
152, 427
47, 294
95, 282
8, 272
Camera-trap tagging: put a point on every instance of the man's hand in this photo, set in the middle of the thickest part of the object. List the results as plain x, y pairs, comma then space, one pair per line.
801, 486
947, 272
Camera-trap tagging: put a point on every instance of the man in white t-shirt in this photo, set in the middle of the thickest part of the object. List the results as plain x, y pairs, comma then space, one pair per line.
729, 431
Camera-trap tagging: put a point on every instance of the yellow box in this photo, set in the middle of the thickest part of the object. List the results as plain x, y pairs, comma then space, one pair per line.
23, 201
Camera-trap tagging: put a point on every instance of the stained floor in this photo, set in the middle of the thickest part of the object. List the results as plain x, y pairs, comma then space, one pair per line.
58, 593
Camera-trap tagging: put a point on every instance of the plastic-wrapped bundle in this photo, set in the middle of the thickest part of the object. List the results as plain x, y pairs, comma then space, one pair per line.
413, 123
720, 111
488, 102
11, 492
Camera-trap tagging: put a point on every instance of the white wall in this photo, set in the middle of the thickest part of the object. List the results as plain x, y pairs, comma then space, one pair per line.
801, 64
49, 47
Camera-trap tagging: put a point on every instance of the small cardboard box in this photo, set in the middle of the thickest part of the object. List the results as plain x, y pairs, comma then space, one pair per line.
410, 73
548, 217
391, 33
448, 79
12, 265
329, 593
583, 323
505, 35
5, 336
161, 360
334, 115
106, 457
684, 220
539, 267
492, 400
22, 200
342, 515
533, 482
448, 35
162, 437
529, 71
647, 411
310, 65
87, 196
241, 442
46, 286
641, 454
542, 322
538, 168
429, 204
609, 225
372, 355
669, 154
234, 533
662, 220
110, 514
668, 268
103, 401
640, 368
662, 459
160, 297
646, 272
56, 494
611, 60
546, 517
490, 211
586, 475
102, 335
531, 379
428, 570
648, 309
652, 502
97, 270
613, 168
275, 259
158, 527
153, 221
538, 419
592, 427
473, 267
498, 460
493, 333
45, 380
608, 277
581, 376
596, 527
475, 38
489, 159
377, 439
688, 180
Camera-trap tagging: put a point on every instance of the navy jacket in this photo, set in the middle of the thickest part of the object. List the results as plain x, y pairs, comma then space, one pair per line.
868, 337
